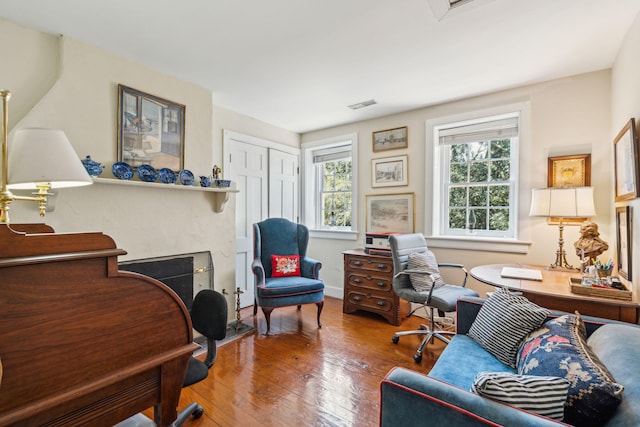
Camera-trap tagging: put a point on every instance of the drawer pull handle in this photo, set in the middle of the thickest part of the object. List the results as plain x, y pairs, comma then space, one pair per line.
381, 266
357, 280
380, 303
358, 263
380, 284
357, 298
368, 277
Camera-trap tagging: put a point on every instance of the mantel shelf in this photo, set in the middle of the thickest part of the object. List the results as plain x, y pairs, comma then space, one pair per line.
219, 195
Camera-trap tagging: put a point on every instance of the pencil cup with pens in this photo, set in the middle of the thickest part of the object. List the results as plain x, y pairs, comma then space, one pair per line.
601, 273
604, 271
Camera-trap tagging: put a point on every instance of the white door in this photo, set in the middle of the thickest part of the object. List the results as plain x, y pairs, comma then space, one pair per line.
247, 165
283, 184
267, 176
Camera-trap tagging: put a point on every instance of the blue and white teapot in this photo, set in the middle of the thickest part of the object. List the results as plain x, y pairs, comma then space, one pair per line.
93, 168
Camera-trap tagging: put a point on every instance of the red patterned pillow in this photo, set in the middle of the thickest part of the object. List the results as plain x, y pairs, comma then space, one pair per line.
285, 265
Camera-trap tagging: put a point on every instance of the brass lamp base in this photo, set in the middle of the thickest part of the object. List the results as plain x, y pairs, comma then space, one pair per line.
561, 262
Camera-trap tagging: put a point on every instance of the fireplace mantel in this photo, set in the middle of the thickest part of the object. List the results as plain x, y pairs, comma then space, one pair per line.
219, 196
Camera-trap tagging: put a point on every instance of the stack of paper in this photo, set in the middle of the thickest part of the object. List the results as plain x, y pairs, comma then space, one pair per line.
521, 273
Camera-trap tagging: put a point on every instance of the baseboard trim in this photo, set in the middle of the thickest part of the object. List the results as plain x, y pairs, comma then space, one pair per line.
333, 292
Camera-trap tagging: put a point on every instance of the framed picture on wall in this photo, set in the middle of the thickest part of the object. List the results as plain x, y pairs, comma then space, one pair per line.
625, 158
389, 171
623, 247
390, 139
569, 171
390, 213
150, 130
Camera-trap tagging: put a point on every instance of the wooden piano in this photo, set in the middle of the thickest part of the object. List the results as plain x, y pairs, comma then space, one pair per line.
82, 343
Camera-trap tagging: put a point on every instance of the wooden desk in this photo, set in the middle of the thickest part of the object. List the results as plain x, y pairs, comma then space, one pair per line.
554, 292
83, 344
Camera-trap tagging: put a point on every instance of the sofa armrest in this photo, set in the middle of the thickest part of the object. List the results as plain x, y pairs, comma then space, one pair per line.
467, 309
411, 398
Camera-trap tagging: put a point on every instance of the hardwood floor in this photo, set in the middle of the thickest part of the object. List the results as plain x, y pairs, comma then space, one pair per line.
304, 376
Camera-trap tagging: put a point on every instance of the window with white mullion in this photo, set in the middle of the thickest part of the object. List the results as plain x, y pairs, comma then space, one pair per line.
328, 200
332, 208
334, 179
478, 163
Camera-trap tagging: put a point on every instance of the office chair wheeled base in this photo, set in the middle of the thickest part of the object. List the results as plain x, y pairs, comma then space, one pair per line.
193, 410
429, 334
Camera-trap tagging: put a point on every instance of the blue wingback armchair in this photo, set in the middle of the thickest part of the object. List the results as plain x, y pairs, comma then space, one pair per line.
279, 236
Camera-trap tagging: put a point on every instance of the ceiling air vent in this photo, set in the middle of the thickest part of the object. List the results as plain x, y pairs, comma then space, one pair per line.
362, 104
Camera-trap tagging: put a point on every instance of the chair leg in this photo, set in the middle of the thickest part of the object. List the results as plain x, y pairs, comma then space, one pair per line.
320, 305
430, 333
193, 409
433, 331
255, 306
267, 315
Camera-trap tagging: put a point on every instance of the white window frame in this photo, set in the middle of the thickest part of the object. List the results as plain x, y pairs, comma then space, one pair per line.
311, 192
518, 242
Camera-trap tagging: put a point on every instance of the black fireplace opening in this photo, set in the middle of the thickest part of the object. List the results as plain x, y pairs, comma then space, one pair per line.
178, 272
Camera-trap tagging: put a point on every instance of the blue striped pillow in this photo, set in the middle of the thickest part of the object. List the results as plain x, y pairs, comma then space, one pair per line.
541, 395
503, 322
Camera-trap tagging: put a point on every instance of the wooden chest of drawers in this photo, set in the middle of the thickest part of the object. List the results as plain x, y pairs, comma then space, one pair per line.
367, 286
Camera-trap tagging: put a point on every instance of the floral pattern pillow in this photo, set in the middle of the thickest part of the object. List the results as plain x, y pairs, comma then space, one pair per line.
285, 265
559, 348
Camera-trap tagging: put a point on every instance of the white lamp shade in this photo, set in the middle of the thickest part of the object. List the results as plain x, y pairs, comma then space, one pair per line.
574, 202
44, 156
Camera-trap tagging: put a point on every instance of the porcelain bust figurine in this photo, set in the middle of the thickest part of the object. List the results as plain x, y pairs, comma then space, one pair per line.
590, 245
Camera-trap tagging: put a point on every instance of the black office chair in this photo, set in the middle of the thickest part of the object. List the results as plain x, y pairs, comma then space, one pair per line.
442, 298
209, 317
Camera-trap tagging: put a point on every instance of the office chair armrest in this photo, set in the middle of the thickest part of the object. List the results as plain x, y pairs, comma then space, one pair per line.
452, 265
310, 268
258, 270
458, 266
412, 271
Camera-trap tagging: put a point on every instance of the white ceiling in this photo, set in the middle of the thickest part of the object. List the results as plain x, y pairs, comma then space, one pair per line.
297, 64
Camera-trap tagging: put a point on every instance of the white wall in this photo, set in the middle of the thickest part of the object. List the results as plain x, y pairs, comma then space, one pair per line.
31, 63
81, 99
72, 86
568, 116
625, 104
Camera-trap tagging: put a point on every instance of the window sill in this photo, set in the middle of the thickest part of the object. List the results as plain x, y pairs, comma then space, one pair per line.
333, 234
479, 244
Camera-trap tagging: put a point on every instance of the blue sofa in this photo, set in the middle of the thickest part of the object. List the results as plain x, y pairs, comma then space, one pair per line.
442, 398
